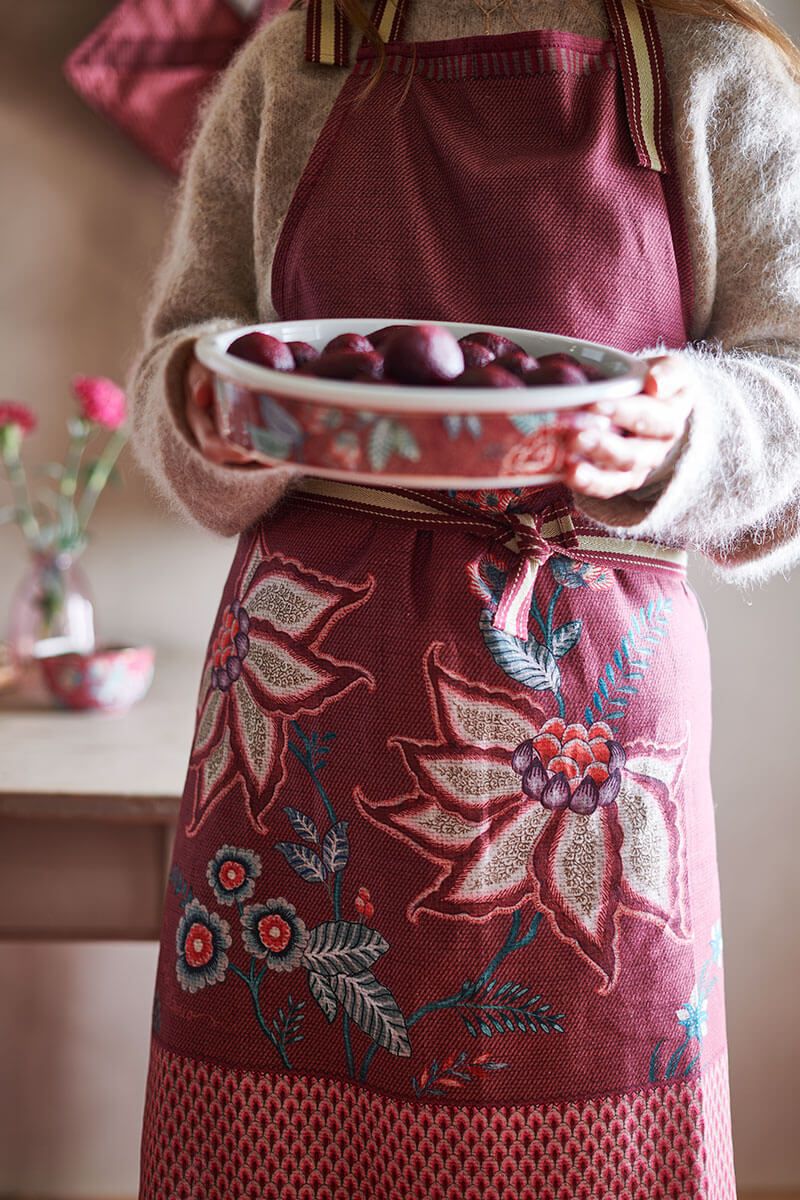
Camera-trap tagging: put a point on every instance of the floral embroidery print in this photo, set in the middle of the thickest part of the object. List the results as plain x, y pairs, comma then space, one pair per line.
202, 939
496, 846
692, 1019
273, 931
338, 956
264, 667
232, 874
568, 766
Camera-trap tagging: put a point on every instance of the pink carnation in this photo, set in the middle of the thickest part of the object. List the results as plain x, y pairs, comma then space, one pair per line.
12, 413
101, 400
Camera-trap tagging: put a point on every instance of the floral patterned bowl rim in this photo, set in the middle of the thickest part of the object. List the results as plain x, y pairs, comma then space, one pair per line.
626, 372
107, 650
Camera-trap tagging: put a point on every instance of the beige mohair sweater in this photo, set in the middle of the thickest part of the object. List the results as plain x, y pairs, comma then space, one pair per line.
734, 491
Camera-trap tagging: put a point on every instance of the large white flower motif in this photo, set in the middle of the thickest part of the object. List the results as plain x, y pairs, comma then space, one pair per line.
497, 848
264, 668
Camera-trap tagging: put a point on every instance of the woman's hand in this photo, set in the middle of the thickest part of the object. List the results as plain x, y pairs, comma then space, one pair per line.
602, 463
199, 391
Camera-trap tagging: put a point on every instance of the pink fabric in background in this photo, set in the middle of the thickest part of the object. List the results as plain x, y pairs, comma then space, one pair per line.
147, 64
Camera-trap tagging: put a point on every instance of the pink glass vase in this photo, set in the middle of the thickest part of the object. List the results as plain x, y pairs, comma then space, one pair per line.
52, 611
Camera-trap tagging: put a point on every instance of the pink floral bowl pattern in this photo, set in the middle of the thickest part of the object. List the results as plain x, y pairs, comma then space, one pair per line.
437, 437
111, 678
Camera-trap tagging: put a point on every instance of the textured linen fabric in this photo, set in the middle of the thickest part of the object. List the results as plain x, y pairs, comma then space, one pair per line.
734, 489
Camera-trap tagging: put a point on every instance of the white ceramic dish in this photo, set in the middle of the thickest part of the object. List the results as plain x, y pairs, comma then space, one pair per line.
438, 437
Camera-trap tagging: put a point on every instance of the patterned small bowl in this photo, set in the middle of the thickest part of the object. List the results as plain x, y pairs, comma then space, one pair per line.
110, 678
436, 437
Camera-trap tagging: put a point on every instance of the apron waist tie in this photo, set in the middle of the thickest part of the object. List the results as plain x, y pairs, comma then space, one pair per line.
536, 537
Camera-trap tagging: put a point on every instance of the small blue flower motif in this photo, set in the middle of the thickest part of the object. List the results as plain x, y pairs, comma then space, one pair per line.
232, 873
694, 1015
716, 943
202, 937
567, 572
274, 931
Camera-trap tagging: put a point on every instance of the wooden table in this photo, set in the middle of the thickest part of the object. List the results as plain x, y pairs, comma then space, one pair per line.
88, 806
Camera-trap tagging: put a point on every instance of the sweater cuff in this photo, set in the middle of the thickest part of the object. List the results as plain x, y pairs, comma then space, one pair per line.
655, 509
223, 498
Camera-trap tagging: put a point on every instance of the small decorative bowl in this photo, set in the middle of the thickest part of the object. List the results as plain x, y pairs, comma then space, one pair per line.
437, 437
111, 678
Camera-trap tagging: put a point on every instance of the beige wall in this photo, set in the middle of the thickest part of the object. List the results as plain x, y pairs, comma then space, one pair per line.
81, 215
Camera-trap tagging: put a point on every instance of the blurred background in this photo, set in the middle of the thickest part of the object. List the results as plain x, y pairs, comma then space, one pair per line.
82, 214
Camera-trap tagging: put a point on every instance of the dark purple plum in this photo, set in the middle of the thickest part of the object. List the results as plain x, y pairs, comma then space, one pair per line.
494, 341
380, 335
423, 354
490, 376
263, 350
475, 354
349, 341
555, 375
346, 364
302, 352
517, 362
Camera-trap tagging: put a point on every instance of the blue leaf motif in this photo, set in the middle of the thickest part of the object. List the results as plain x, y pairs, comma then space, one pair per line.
337, 947
303, 826
528, 662
323, 991
566, 637
336, 848
270, 444
305, 861
381, 443
278, 421
405, 443
529, 422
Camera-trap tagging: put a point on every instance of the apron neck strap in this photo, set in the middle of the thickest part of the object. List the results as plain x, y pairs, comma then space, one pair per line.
328, 32
633, 26
641, 61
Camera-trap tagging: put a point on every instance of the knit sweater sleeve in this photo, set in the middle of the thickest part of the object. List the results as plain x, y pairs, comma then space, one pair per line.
205, 282
733, 493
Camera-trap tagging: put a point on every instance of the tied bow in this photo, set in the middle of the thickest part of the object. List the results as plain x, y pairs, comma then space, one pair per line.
535, 537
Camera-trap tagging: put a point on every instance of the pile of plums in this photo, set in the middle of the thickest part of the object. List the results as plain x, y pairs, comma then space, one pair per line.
420, 355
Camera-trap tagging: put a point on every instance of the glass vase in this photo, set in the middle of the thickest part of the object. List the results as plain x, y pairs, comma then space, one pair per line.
52, 611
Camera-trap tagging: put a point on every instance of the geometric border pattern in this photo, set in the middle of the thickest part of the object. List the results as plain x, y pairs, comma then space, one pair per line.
214, 1133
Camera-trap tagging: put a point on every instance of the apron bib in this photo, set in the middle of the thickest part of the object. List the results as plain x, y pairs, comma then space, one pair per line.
443, 916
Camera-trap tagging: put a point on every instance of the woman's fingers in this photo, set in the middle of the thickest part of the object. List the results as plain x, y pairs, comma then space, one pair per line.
212, 446
199, 384
199, 389
661, 408
648, 429
600, 481
607, 449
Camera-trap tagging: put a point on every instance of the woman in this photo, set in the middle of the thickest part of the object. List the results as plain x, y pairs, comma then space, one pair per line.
443, 912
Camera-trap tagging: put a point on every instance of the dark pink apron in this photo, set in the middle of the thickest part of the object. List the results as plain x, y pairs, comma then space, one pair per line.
443, 912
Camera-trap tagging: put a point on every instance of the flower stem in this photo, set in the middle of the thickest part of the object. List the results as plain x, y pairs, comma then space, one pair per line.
550, 614
19, 484
540, 621
307, 761
511, 944
68, 484
98, 477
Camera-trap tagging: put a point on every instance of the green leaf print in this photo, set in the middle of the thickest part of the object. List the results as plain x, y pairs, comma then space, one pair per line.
374, 1009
